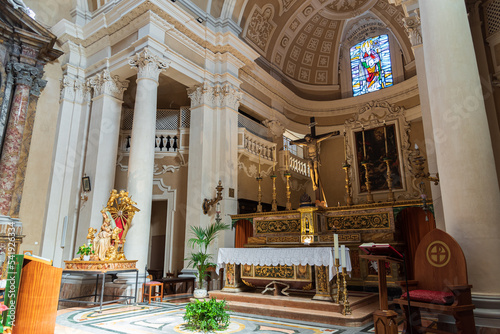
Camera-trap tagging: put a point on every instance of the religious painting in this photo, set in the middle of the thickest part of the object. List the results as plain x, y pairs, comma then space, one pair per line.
378, 144
371, 65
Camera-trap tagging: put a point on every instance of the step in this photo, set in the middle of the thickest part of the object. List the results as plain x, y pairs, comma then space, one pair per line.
358, 317
302, 307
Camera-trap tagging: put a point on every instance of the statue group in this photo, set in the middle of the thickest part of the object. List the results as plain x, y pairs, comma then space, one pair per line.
108, 243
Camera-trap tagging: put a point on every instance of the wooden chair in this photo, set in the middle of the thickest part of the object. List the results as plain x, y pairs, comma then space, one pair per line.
440, 285
153, 290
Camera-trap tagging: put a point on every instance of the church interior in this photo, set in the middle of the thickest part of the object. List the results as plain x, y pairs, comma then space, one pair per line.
332, 152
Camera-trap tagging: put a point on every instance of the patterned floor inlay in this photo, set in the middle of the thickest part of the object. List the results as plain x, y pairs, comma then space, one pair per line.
167, 318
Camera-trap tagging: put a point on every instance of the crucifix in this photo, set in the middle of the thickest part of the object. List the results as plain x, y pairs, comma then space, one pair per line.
311, 142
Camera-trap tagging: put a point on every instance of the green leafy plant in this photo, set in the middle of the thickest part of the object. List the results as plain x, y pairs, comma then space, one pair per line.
207, 315
85, 250
203, 237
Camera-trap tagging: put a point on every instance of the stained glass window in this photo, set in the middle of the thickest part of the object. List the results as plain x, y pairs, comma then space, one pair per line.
371, 65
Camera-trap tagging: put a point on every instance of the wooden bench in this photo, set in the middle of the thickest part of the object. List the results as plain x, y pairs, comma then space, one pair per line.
440, 285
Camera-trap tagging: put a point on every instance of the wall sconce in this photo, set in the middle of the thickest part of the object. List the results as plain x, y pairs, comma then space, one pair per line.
199, 19
207, 204
419, 162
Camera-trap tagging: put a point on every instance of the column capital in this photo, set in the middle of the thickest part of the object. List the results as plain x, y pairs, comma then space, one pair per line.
74, 89
24, 74
218, 96
37, 87
104, 83
413, 28
148, 64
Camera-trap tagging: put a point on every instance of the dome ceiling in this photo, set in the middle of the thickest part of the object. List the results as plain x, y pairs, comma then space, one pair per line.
299, 40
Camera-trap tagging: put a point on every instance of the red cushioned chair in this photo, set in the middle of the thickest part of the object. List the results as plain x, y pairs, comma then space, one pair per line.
440, 285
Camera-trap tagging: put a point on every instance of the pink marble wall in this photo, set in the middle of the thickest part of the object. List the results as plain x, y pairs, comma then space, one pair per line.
12, 146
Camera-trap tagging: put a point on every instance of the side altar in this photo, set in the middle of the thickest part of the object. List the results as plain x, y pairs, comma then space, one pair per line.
355, 225
105, 247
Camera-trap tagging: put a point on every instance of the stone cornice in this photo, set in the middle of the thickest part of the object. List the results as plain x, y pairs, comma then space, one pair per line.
222, 43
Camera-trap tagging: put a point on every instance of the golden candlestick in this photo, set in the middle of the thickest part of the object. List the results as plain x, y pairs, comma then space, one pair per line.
347, 307
369, 196
346, 167
288, 192
274, 203
339, 292
390, 196
259, 194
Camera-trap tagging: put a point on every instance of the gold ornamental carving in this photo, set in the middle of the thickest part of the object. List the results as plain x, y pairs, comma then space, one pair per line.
321, 276
367, 221
248, 283
284, 239
281, 271
355, 237
277, 226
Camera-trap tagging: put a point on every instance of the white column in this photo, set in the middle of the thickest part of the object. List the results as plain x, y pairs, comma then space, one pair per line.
213, 156
141, 160
102, 147
469, 184
412, 25
66, 173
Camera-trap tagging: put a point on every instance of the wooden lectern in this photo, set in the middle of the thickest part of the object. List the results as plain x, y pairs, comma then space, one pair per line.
38, 297
384, 320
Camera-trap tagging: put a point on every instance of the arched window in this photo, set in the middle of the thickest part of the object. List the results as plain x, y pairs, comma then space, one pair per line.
371, 67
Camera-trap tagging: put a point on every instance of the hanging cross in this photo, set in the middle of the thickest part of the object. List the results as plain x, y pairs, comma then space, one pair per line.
311, 142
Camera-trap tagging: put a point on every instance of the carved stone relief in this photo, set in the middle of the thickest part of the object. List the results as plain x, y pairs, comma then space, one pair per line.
260, 26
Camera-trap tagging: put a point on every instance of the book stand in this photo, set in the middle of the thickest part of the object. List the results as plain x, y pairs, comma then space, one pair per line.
384, 320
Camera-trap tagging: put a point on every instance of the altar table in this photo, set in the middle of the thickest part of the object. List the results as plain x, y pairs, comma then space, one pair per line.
102, 274
320, 257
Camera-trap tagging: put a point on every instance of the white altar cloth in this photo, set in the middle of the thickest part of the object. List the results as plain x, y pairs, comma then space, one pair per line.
314, 256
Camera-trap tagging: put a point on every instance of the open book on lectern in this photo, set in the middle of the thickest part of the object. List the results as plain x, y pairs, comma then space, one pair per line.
380, 250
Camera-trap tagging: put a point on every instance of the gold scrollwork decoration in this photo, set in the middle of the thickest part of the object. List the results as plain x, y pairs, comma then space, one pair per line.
321, 275
277, 226
308, 286
283, 239
281, 271
248, 284
359, 222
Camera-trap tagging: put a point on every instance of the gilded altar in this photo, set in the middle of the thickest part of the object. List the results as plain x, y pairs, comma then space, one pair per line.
354, 225
301, 269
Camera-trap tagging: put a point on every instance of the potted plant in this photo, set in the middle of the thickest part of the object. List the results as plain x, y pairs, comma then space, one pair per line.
200, 260
85, 251
207, 316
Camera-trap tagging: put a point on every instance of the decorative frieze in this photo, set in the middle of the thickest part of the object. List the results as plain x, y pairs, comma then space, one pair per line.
106, 84
148, 64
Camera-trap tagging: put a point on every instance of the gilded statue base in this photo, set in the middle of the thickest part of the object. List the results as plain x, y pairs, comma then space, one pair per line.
100, 265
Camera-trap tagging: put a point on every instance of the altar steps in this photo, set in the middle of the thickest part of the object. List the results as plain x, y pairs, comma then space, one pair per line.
302, 307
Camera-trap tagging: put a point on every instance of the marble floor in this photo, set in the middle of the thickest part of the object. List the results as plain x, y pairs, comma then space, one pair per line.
166, 317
